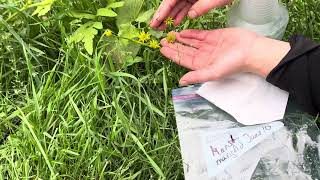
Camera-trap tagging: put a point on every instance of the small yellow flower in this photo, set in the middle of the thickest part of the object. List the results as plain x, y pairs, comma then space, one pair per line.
144, 37
171, 37
108, 33
154, 44
169, 21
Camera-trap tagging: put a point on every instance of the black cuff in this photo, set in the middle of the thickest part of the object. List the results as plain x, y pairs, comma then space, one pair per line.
297, 73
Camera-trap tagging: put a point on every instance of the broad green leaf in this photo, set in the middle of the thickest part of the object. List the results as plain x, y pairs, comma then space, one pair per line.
43, 7
157, 34
122, 49
129, 12
106, 12
127, 31
133, 60
146, 16
116, 4
130, 32
88, 42
86, 33
81, 15
97, 25
120, 53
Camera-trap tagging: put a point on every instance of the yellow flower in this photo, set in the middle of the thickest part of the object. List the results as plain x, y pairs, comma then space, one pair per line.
154, 44
169, 21
144, 37
171, 37
108, 33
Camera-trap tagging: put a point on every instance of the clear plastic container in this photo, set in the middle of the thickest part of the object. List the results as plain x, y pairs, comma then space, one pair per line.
266, 17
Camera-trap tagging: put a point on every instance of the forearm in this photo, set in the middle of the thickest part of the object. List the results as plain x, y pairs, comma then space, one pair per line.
266, 54
293, 67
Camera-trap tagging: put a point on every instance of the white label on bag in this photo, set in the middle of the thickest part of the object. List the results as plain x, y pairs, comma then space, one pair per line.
221, 148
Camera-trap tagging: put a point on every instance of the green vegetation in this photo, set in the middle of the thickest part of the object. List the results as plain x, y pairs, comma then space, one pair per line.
82, 96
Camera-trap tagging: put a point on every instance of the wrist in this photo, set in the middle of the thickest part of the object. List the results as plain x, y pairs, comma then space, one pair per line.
266, 54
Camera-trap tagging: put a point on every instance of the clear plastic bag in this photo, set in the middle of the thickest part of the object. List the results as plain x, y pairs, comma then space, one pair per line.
289, 151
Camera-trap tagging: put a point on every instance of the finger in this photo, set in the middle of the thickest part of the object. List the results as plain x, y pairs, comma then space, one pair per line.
177, 8
182, 14
189, 42
163, 12
154, 23
192, 1
194, 34
203, 6
179, 58
199, 76
173, 14
180, 48
162, 27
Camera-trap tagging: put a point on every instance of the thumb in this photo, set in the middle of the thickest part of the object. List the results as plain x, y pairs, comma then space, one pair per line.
199, 76
203, 6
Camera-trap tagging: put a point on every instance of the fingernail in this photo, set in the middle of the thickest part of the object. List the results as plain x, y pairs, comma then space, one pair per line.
183, 83
192, 14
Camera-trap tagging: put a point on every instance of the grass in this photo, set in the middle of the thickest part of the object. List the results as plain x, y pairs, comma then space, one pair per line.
68, 115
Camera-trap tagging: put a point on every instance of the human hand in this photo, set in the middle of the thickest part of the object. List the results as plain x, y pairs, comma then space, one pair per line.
212, 55
178, 9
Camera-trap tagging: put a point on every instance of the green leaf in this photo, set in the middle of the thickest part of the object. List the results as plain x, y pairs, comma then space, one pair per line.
151, 161
122, 49
80, 15
116, 4
97, 25
125, 48
88, 43
128, 31
43, 7
75, 22
123, 74
146, 16
156, 34
86, 33
129, 12
106, 12
132, 60
70, 152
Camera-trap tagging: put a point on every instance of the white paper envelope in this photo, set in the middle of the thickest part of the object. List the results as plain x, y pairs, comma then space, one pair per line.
249, 98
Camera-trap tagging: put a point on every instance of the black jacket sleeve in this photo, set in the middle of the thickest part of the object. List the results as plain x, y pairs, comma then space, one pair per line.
299, 74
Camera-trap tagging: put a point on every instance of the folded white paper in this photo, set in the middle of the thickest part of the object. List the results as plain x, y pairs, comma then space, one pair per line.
249, 98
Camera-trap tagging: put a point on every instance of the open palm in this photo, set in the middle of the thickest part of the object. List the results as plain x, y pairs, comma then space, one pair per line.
210, 55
